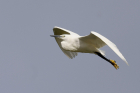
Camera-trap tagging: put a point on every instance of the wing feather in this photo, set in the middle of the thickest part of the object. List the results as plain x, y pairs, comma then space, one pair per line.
94, 40
99, 41
61, 31
111, 45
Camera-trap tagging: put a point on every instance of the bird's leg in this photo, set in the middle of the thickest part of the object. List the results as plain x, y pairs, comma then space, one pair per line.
113, 62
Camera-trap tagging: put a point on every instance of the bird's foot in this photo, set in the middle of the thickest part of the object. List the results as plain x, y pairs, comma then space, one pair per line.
113, 62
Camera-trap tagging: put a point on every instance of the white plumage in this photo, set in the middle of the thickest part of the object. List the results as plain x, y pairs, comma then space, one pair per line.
72, 43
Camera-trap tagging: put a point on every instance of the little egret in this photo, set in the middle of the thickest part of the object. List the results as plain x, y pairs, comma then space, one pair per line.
71, 43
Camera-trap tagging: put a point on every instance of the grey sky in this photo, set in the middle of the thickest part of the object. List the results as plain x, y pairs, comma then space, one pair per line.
32, 62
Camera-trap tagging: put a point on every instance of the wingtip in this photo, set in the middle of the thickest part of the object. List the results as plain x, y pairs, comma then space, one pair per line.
55, 27
93, 32
126, 63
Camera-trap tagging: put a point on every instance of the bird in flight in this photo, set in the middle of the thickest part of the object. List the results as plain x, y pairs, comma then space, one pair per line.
71, 43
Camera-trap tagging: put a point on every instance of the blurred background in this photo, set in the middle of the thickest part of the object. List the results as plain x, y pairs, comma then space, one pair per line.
32, 62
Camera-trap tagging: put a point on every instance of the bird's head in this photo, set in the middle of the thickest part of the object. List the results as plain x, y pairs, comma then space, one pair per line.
62, 37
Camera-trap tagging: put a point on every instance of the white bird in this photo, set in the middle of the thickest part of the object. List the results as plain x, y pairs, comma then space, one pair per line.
71, 43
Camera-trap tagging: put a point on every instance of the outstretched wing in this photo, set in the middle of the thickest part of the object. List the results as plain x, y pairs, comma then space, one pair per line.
61, 31
94, 40
99, 41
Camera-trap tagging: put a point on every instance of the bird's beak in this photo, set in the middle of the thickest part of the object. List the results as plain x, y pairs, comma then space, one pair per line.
55, 35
